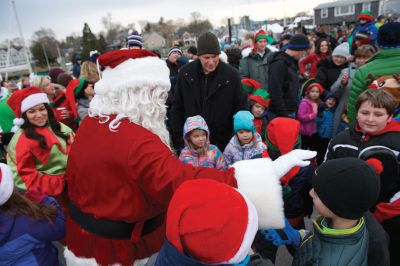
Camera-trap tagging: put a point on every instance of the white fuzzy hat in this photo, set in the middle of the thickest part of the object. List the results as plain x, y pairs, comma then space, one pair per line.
6, 183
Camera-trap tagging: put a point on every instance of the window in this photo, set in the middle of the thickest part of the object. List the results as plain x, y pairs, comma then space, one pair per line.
366, 6
344, 10
324, 13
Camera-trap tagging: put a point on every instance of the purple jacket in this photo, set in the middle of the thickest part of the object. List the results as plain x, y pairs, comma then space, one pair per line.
307, 118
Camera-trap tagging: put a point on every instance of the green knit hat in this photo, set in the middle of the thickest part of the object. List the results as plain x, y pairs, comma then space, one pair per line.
260, 96
208, 44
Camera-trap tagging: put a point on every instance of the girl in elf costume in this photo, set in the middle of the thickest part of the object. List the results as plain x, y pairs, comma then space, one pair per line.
38, 151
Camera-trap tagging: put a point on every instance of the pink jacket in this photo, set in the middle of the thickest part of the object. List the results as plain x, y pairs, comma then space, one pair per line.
307, 118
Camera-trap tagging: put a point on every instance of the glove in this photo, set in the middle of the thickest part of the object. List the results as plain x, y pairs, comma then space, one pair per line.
285, 163
36, 196
285, 236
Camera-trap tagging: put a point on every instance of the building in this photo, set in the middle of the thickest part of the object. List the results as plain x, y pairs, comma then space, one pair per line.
17, 61
343, 11
153, 41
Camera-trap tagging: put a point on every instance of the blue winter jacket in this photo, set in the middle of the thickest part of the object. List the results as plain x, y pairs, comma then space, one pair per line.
325, 123
24, 241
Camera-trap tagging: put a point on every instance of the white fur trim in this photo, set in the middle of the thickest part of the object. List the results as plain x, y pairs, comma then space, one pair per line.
6, 184
33, 100
73, 260
134, 73
259, 182
250, 233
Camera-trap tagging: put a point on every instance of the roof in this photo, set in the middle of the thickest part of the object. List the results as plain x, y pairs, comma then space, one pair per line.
343, 3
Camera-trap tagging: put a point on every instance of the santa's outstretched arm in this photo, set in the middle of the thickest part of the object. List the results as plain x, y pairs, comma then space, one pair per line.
258, 179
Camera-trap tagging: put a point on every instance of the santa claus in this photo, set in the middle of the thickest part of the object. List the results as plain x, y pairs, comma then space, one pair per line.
122, 173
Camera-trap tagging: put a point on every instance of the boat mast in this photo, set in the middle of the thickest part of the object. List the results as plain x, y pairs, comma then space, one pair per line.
22, 37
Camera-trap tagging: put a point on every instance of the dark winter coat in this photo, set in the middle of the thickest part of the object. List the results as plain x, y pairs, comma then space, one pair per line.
340, 249
216, 97
170, 256
283, 84
328, 73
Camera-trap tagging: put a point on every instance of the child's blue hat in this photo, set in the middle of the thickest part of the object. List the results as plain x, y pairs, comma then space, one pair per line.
243, 120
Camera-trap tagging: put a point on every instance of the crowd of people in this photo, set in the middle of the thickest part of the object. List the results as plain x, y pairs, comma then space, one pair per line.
201, 158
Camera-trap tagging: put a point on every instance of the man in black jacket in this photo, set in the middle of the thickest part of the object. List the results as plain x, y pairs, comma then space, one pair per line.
210, 88
283, 78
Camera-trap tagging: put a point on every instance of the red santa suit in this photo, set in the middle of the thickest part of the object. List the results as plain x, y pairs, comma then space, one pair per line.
121, 175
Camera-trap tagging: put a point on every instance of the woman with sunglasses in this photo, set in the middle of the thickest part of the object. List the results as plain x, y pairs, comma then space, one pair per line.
57, 100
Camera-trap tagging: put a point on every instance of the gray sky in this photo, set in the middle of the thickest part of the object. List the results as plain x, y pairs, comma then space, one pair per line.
68, 16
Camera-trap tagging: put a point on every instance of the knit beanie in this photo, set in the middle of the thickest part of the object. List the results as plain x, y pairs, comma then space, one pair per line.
367, 15
299, 42
260, 96
192, 50
342, 50
243, 120
389, 35
347, 186
309, 83
134, 40
211, 222
208, 44
175, 48
250, 85
54, 73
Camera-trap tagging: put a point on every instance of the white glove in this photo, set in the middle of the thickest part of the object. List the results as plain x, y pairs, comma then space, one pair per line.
284, 163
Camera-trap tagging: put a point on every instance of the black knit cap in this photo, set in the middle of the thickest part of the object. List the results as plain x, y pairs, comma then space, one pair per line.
208, 44
299, 42
347, 186
389, 35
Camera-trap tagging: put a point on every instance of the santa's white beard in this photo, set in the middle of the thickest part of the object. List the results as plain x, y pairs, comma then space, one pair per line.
144, 106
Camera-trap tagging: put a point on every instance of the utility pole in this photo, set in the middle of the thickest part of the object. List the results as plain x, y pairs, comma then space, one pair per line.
22, 37
284, 13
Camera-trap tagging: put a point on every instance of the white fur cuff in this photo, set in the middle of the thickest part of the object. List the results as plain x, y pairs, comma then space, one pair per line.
258, 181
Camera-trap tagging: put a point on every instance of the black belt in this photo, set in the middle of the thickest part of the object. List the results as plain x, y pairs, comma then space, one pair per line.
111, 229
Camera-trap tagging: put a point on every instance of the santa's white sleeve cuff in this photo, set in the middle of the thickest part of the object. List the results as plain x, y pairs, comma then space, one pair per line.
258, 181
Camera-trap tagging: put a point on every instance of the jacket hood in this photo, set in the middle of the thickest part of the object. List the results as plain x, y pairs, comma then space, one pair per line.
236, 143
170, 256
392, 126
280, 56
192, 123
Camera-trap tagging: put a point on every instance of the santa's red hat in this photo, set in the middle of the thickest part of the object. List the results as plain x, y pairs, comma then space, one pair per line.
124, 69
212, 222
6, 183
282, 135
21, 101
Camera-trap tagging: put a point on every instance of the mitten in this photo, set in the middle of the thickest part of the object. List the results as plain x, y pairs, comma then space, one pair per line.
285, 236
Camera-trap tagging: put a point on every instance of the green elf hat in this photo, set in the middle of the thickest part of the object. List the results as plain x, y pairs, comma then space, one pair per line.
261, 34
250, 85
367, 15
260, 96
